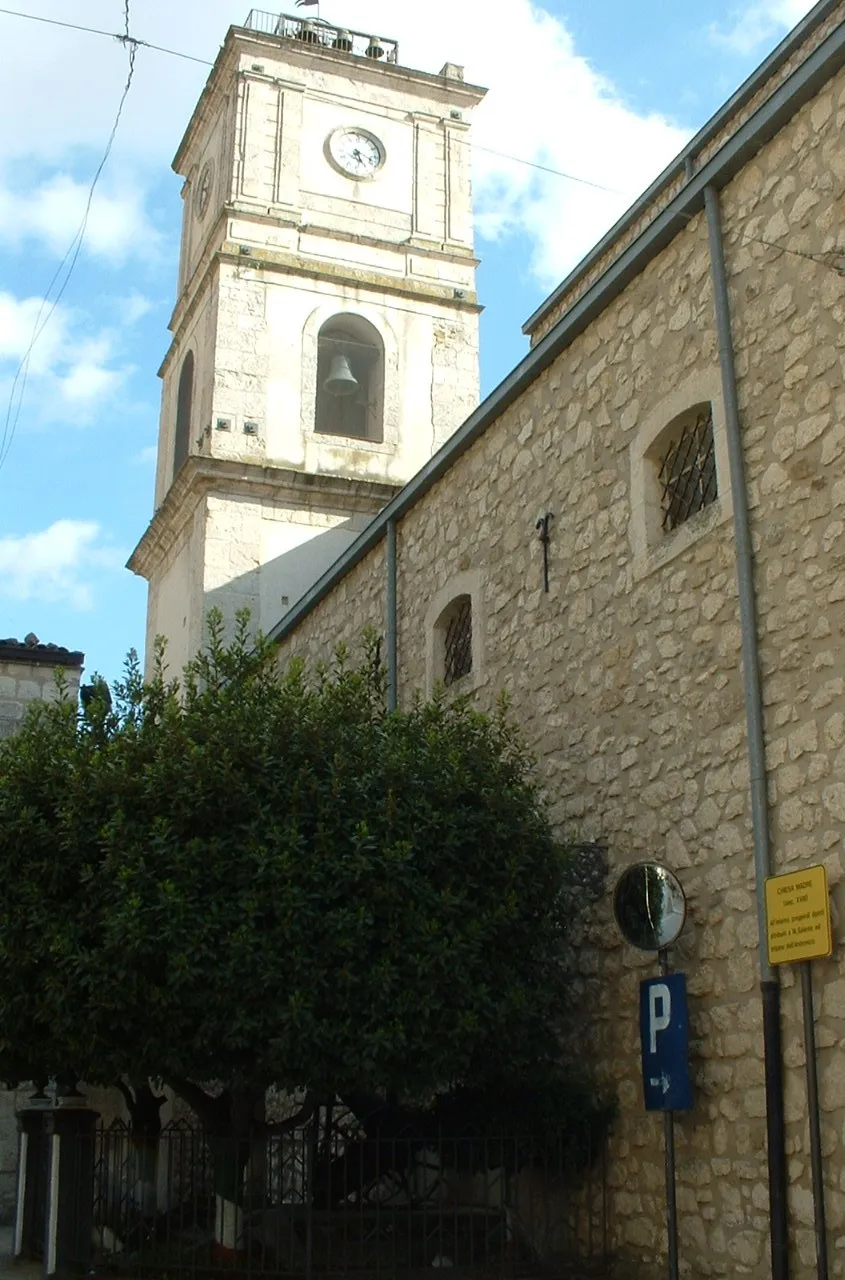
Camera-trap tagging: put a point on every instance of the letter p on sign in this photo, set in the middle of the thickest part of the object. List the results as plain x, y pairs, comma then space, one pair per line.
659, 1012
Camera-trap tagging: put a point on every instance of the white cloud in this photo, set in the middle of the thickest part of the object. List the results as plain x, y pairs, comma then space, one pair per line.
74, 373
133, 308
53, 211
19, 319
546, 104
57, 563
757, 23
86, 382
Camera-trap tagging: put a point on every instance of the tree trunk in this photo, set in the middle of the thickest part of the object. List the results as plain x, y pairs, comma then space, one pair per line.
144, 1107
238, 1134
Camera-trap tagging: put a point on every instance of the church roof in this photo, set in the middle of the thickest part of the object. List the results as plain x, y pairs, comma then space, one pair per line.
31, 650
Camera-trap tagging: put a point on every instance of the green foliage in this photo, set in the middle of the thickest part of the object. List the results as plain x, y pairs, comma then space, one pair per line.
264, 877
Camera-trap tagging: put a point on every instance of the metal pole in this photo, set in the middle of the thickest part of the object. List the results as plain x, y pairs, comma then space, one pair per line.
769, 984
312, 1138
815, 1124
671, 1202
669, 1148
392, 665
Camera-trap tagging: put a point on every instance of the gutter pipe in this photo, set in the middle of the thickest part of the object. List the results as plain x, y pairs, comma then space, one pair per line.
769, 984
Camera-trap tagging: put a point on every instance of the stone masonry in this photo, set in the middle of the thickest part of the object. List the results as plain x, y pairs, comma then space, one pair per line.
27, 674
626, 677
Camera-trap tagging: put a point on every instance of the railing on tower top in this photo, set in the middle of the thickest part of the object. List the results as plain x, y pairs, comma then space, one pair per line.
323, 35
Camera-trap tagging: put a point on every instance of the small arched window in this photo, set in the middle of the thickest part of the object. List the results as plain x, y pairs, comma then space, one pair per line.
184, 402
685, 457
680, 472
454, 640
350, 379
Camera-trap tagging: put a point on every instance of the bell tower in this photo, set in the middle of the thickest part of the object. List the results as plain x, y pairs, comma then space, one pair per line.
325, 335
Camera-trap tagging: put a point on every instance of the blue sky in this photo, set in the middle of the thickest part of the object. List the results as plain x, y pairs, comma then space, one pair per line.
607, 90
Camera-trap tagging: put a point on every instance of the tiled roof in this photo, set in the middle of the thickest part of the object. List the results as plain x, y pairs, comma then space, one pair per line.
30, 649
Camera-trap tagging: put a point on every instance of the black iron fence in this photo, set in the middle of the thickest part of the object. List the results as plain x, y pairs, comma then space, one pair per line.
336, 1198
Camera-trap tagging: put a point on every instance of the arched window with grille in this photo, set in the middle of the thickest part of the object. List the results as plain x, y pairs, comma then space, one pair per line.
685, 457
184, 404
680, 472
454, 627
350, 379
454, 631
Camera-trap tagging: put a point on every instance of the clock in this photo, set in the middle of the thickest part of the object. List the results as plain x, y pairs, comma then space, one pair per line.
356, 153
203, 194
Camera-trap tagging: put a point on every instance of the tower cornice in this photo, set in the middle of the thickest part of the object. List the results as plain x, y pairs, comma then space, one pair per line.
202, 477
276, 261
311, 60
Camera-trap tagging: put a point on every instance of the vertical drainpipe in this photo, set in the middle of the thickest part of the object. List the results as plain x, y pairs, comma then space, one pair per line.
769, 985
392, 665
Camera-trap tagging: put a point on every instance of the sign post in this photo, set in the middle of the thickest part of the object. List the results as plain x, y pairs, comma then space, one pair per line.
650, 910
667, 1087
798, 931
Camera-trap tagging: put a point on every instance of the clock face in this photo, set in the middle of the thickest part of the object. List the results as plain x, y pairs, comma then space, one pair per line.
356, 153
204, 189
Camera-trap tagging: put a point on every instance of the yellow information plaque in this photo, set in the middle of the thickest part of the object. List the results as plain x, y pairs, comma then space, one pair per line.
798, 916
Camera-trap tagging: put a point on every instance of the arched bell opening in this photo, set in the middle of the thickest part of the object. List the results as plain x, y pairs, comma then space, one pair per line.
184, 405
350, 379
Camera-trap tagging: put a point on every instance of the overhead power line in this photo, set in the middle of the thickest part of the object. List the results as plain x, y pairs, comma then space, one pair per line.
832, 259
544, 168
66, 266
121, 37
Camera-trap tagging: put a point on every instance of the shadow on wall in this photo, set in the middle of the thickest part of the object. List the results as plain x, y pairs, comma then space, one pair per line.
302, 555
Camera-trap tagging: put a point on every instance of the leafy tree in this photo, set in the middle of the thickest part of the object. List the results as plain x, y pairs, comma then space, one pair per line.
264, 878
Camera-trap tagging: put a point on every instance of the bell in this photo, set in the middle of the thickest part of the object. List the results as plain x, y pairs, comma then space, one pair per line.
375, 48
343, 42
341, 380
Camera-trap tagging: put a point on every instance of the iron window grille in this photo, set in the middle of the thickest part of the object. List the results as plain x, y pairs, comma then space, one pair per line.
457, 656
687, 471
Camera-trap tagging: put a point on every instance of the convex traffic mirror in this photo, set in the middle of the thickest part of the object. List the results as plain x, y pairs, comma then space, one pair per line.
649, 906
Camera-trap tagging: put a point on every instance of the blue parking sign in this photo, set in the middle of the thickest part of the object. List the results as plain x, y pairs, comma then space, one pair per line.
664, 1037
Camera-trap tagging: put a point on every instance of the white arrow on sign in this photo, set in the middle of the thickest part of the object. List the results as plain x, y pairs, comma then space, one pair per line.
663, 1082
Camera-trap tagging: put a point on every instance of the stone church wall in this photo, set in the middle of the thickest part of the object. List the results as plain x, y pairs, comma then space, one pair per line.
356, 605
626, 677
